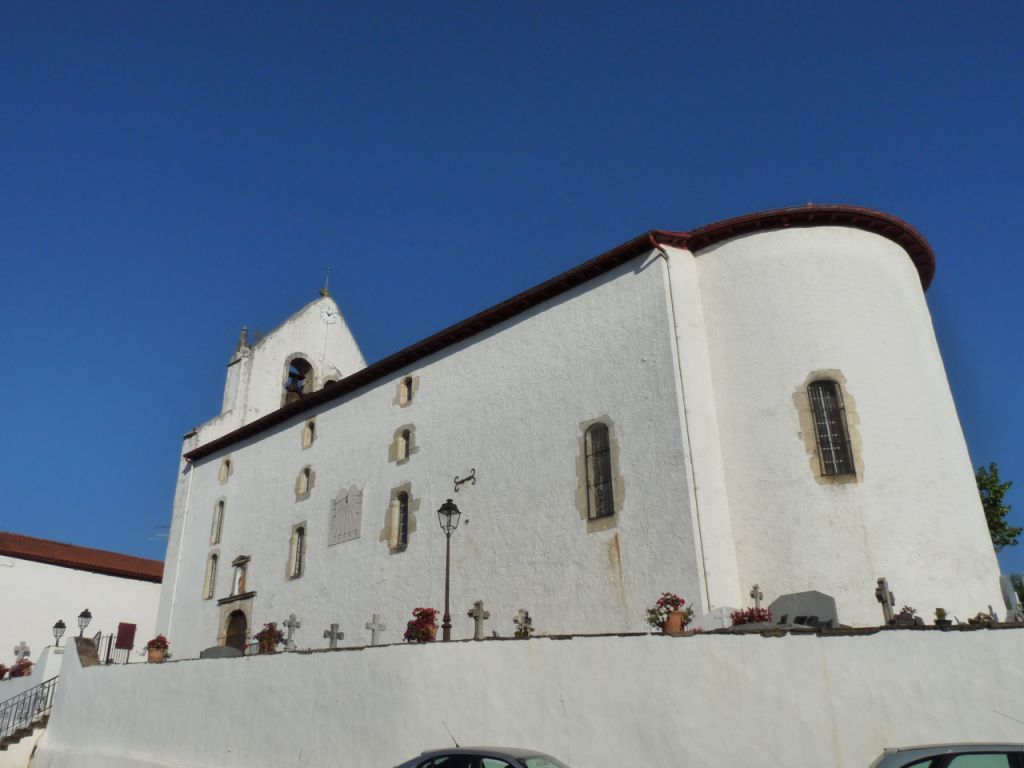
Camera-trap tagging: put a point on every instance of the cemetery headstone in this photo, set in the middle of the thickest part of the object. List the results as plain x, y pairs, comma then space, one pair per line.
478, 615
333, 636
806, 609
376, 627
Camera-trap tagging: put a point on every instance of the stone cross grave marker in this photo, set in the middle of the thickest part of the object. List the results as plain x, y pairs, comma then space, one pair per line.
375, 628
22, 650
292, 624
478, 615
886, 598
758, 596
333, 635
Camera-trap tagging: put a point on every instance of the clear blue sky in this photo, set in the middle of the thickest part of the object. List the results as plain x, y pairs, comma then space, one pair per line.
170, 172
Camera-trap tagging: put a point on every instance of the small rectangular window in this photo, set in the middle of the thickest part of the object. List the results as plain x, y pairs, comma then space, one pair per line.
599, 472
297, 554
830, 428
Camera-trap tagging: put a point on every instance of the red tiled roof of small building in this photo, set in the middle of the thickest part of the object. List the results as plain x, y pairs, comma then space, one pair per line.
80, 558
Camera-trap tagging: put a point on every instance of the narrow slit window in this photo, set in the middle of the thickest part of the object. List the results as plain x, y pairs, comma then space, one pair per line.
403, 520
830, 428
211, 577
218, 522
599, 472
303, 485
225, 470
406, 396
298, 551
404, 444
308, 434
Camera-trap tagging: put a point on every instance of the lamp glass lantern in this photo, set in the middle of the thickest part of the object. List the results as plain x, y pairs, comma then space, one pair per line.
448, 516
58, 631
83, 621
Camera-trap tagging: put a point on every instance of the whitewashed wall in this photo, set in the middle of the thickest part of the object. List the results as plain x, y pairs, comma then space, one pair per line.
601, 702
36, 595
780, 305
509, 403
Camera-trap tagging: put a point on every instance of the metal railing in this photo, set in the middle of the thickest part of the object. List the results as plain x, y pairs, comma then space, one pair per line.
25, 709
108, 652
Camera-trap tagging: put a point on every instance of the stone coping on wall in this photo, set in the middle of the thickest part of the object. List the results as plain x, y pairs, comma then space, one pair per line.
794, 631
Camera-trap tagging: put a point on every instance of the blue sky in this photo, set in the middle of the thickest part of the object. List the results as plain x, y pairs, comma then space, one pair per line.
170, 172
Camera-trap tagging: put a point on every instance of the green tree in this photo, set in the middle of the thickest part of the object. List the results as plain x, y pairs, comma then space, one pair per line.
992, 490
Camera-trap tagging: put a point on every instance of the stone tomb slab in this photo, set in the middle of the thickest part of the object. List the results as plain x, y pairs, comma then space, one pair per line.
221, 652
806, 609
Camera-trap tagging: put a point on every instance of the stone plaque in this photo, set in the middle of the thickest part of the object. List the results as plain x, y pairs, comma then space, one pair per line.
346, 516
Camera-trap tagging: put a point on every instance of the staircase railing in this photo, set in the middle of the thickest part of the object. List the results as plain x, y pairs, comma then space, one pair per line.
26, 708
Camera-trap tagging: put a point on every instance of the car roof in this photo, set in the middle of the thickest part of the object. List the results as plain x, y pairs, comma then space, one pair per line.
988, 746
496, 751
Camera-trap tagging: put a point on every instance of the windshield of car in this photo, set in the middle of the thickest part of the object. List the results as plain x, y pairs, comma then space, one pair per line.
543, 761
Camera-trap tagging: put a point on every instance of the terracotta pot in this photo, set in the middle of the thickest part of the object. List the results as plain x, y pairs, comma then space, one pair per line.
674, 624
156, 655
432, 631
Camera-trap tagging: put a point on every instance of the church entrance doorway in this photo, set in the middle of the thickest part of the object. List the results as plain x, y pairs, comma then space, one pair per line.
237, 625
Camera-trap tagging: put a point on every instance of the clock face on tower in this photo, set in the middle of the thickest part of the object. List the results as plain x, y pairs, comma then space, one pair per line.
328, 315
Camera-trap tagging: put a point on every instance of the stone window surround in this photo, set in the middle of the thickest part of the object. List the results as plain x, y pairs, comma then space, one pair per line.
582, 497
226, 469
217, 525
808, 434
310, 480
309, 433
228, 606
240, 577
403, 399
389, 533
210, 575
395, 449
292, 542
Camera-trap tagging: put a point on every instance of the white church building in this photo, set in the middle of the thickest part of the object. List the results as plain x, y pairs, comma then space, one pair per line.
761, 400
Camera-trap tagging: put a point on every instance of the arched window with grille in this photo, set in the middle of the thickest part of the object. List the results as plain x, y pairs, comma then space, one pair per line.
600, 502
830, 428
403, 520
298, 552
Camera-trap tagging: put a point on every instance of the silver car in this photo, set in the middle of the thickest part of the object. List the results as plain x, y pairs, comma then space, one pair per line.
953, 756
484, 757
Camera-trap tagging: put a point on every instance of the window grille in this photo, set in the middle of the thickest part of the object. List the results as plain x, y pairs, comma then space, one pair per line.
830, 428
298, 557
403, 520
599, 472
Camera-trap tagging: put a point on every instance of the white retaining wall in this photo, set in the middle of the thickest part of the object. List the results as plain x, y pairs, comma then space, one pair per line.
595, 702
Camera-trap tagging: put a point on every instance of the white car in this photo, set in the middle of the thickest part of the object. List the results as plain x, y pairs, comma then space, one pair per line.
953, 756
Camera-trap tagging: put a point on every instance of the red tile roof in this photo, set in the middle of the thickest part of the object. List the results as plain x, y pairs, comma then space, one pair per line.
80, 558
882, 224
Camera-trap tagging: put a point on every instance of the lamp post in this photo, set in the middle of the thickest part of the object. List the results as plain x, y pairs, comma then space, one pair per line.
58, 631
448, 517
83, 621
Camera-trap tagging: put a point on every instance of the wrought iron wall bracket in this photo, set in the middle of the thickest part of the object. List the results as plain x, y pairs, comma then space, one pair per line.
470, 478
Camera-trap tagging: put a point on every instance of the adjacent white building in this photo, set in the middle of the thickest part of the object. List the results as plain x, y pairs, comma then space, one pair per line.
761, 400
43, 582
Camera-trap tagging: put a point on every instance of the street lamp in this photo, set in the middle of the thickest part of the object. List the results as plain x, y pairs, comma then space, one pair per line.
83, 621
58, 631
448, 517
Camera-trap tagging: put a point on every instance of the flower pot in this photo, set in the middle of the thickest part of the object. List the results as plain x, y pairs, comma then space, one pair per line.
432, 632
268, 648
674, 623
156, 655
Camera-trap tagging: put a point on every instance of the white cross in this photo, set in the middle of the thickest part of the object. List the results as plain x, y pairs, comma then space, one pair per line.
758, 595
334, 635
375, 627
292, 624
21, 650
478, 614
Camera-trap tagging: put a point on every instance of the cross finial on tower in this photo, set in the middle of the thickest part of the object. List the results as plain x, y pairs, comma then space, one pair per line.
327, 279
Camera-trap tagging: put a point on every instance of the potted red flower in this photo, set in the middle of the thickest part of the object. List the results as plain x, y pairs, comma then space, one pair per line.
269, 637
751, 616
669, 615
21, 668
156, 649
422, 627
4, 669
